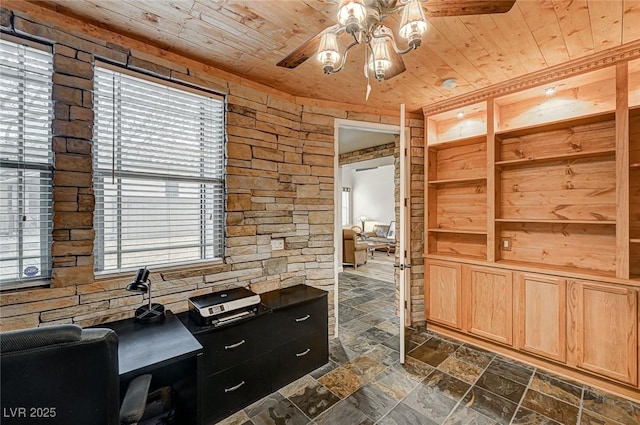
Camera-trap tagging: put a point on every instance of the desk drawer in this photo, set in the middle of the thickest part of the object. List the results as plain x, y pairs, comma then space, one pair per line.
299, 357
232, 389
227, 347
300, 320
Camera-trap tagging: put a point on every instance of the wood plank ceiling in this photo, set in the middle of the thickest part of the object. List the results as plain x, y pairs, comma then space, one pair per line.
248, 38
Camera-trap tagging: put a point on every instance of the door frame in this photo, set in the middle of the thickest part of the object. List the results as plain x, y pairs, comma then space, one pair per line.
337, 195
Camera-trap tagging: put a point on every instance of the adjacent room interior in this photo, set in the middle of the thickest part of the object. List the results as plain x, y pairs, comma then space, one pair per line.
320, 212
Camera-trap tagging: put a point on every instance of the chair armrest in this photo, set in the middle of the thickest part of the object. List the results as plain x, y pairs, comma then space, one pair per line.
135, 400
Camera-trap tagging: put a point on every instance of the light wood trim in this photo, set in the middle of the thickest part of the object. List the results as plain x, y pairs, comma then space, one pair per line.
493, 195
558, 72
550, 322
603, 383
466, 232
622, 171
541, 269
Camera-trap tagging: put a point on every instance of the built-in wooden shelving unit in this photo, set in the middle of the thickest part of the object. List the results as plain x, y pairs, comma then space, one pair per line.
533, 223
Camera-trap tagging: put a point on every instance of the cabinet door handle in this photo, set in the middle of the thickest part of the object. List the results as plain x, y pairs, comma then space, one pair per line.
304, 353
302, 319
237, 344
228, 390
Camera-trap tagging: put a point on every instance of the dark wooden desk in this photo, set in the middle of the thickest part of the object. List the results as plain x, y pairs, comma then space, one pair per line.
167, 351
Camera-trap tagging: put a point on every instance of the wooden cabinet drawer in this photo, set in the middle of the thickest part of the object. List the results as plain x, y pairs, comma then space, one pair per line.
227, 347
300, 320
232, 389
299, 357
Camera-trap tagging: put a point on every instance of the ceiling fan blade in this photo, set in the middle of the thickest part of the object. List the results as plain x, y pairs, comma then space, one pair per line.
397, 65
437, 8
306, 49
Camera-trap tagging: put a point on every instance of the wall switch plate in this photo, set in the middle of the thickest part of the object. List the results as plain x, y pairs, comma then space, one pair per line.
277, 244
505, 244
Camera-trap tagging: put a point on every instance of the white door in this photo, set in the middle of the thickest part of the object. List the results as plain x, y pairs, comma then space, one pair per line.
402, 248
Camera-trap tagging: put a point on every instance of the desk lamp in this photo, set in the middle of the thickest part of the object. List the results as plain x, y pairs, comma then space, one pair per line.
141, 284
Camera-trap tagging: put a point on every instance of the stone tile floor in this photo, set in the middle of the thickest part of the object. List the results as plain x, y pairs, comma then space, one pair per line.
443, 381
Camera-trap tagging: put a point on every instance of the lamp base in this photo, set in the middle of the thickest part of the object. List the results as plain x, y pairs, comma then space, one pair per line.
154, 314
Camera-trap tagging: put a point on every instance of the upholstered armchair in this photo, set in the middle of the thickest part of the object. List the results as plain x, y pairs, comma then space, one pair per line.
62, 375
354, 251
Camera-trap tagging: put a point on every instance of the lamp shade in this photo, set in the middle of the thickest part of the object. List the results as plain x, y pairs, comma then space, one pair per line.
351, 14
153, 312
413, 23
380, 60
328, 53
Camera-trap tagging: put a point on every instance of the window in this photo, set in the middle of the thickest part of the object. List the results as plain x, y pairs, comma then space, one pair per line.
158, 172
26, 160
346, 202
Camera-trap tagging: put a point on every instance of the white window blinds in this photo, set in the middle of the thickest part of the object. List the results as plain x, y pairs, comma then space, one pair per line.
158, 173
26, 110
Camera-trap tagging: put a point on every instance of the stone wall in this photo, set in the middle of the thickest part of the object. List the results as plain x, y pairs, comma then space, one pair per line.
280, 184
369, 153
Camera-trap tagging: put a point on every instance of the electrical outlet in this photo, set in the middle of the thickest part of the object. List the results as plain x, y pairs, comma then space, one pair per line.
277, 244
506, 244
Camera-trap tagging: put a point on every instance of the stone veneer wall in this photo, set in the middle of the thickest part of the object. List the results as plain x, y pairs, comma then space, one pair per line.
280, 184
369, 153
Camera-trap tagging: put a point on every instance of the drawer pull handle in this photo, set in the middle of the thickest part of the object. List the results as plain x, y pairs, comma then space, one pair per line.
304, 353
228, 390
237, 344
302, 319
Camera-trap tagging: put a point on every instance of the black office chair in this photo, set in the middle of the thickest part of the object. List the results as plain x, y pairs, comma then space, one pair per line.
66, 375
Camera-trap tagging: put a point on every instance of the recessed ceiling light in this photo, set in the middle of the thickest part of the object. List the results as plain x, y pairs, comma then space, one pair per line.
549, 91
449, 83
460, 115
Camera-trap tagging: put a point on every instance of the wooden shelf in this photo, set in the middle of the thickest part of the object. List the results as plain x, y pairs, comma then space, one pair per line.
553, 221
574, 155
635, 166
634, 240
453, 257
556, 125
458, 142
461, 231
454, 181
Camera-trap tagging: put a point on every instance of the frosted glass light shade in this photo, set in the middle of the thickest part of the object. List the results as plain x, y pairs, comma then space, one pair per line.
413, 23
351, 9
381, 60
328, 53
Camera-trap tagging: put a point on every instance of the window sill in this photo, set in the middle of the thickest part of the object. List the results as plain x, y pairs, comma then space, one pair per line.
172, 272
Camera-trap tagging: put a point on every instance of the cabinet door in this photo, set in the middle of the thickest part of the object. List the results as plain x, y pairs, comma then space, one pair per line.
442, 293
489, 303
541, 315
603, 326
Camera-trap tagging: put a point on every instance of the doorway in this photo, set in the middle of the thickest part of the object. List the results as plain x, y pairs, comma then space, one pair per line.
376, 154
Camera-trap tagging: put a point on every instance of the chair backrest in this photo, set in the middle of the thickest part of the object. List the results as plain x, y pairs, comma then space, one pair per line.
60, 375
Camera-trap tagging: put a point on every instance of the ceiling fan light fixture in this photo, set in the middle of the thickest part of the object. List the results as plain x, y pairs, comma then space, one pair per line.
352, 14
328, 52
413, 23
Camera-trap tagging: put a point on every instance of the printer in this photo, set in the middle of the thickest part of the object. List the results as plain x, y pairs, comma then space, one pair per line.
223, 307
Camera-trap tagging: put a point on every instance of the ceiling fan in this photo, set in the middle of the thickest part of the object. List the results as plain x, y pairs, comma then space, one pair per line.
362, 20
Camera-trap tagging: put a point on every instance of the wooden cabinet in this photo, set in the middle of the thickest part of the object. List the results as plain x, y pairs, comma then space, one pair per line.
603, 327
443, 293
488, 295
540, 318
